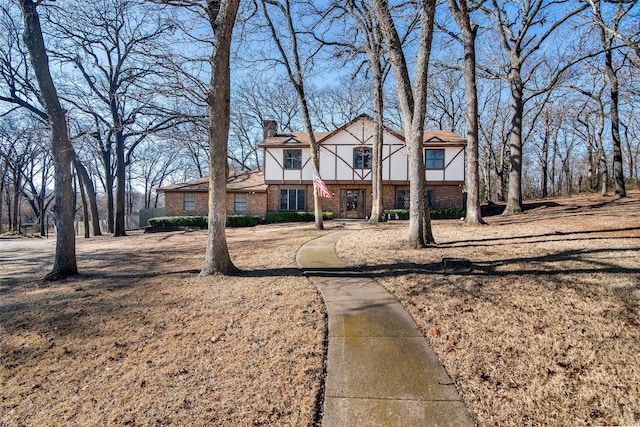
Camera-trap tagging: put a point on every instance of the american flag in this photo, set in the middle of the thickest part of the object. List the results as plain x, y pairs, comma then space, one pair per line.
323, 191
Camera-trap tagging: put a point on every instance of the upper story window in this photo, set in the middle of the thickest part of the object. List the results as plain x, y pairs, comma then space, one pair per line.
189, 203
362, 157
292, 159
434, 159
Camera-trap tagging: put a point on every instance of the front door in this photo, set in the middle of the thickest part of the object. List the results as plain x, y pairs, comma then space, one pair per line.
352, 204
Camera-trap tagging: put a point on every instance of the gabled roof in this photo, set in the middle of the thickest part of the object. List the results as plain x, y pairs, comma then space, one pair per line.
238, 182
301, 139
291, 139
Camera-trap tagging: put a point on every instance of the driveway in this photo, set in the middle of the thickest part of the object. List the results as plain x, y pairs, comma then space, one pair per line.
25, 249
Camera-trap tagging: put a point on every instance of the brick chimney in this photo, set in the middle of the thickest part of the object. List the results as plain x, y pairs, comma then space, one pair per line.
269, 128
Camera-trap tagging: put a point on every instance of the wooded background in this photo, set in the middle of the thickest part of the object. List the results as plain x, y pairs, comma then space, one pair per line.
133, 78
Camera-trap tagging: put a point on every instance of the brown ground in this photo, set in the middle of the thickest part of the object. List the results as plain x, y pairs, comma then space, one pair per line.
545, 329
139, 339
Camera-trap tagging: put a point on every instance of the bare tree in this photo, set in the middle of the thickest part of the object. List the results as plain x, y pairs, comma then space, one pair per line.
222, 16
412, 100
461, 11
334, 105
90, 194
154, 161
446, 97
494, 128
630, 37
113, 46
65, 256
290, 59
515, 24
18, 153
608, 35
38, 176
631, 131
359, 33
594, 131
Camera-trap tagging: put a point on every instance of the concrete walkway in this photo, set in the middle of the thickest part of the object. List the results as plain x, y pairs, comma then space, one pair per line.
380, 369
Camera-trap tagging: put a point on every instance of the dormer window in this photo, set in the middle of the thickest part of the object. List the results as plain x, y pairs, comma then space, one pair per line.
362, 158
292, 159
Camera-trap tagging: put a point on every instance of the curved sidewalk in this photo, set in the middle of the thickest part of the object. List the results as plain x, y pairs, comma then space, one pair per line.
380, 369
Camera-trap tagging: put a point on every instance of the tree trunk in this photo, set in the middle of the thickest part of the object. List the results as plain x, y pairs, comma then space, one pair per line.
500, 169
486, 167
295, 74
17, 184
222, 15
85, 210
412, 106
2, 185
315, 158
544, 167
514, 194
42, 204
460, 13
603, 169
618, 173
108, 184
119, 225
377, 205
83, 175
64, 264
417, 208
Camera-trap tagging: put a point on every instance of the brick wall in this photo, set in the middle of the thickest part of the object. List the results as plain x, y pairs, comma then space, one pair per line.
174, 204
446, 196
256, 204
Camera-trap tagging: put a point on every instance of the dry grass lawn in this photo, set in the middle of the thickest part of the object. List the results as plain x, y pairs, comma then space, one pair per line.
139, 339
544, 329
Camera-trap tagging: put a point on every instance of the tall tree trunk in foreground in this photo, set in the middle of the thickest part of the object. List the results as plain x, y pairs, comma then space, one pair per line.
64, 264
222, 16
460, 12
413, 107
514, 193
377, 203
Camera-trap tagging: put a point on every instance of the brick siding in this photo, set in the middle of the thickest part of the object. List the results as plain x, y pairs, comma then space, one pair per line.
174, 204
444, 197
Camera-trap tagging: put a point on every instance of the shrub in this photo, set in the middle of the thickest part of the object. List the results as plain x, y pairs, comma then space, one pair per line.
285, 216
392, 214
201, 221
179, 221
448, 213
242, 220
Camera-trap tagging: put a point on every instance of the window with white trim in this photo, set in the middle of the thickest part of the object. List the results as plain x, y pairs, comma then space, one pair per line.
292, 159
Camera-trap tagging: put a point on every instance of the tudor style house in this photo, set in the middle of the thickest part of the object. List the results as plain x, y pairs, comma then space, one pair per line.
286, 183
